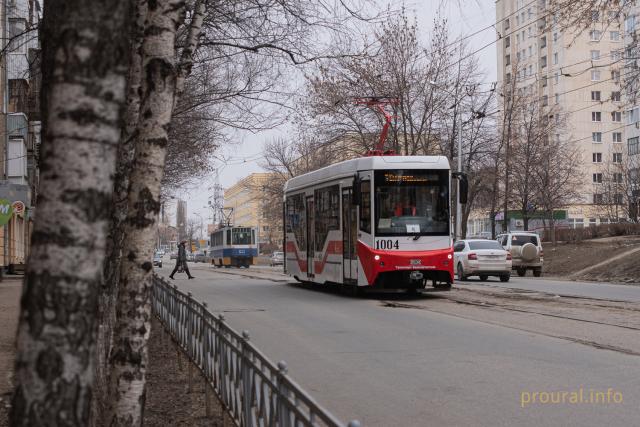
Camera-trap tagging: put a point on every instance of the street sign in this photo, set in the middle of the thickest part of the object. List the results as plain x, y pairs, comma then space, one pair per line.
6, 211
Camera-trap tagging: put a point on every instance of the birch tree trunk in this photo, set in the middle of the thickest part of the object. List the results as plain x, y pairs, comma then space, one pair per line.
84, 72
111, 275
129, 355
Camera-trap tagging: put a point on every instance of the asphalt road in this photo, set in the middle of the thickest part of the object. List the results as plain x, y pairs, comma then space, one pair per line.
607, 291
392, 366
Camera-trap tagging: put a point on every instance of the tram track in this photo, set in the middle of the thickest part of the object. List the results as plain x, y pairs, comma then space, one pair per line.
609, 309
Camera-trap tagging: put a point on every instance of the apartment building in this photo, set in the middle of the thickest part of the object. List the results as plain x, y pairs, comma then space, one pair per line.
577, 74
247, 199
631, 83
20, 83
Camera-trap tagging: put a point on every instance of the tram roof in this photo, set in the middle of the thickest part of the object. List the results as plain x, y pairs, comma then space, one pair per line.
348, 168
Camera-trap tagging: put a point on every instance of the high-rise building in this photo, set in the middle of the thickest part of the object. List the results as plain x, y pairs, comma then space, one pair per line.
181, 219
577, 74
631, 92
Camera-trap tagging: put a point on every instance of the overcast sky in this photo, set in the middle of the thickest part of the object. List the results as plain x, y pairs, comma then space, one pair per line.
245, 156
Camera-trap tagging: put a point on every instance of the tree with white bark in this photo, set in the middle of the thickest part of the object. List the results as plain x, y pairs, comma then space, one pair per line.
87, 49
129, 353
84, 66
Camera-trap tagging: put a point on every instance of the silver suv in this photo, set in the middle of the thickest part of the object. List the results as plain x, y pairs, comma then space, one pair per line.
526, 251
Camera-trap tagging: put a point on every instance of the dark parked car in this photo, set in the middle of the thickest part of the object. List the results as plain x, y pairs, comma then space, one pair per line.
157, 260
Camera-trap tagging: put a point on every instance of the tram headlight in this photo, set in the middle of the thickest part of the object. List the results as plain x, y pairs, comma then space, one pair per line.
449, 256
377, 257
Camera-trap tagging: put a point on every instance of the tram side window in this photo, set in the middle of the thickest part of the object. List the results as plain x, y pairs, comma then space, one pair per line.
365, 206
327, 215
296, 220
217, 238
229, 237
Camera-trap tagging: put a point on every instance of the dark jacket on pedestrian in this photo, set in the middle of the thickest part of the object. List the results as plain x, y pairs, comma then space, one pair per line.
182, 253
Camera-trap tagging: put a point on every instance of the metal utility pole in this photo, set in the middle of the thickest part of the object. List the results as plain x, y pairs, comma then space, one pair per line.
458, 204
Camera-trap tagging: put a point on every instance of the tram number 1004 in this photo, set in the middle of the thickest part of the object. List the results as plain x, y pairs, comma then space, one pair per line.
387, 244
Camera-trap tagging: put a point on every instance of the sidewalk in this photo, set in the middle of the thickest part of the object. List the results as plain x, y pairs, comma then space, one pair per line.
10, 291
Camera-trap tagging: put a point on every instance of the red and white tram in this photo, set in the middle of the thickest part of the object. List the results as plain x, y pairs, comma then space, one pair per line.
379, 221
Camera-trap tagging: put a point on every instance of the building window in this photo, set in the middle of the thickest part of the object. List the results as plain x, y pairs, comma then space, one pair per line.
543, 62
557, 98
614, 36
595, 35
615, 76
597, 158
617, 136
597, 200
507, 60
617, 199
595, 16
17, 38
556, 78
507, 42
506, 24
630, 24
595, 75
555, 37
633, 145
597, 178
555, 58
595, 55
615, 55
596, 136
595, 95
530, 51
615, 96
596, 116
544, 81
617, 158
543, 42
616, 116
617, 178
545, 100
508, 78
531, 70
632, 115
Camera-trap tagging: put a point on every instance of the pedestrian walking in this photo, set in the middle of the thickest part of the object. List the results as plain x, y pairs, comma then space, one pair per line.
181, 261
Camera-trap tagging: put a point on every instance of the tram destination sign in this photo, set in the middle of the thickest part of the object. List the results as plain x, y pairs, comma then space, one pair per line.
400, 178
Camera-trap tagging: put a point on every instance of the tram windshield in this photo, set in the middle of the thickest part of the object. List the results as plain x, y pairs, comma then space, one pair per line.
243, 236
411, 202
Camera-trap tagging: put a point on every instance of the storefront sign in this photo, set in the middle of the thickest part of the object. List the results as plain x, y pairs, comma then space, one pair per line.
18, 207
6, 211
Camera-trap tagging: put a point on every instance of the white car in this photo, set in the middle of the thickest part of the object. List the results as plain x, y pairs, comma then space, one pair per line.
483, 258
526, 250
277, 259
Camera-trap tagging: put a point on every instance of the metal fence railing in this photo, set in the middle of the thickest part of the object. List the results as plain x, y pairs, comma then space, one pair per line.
254, 391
